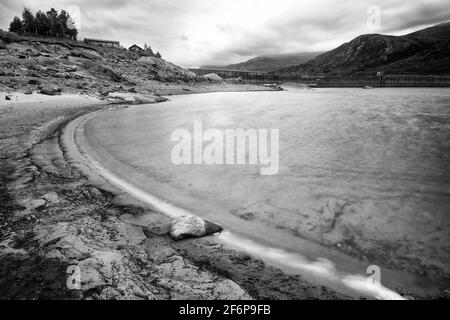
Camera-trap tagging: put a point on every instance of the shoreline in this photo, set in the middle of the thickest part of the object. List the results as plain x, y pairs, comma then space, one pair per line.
232, 270
53, 218
310, 266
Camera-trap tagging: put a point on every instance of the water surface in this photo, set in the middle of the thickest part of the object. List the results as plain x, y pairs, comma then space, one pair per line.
365, 172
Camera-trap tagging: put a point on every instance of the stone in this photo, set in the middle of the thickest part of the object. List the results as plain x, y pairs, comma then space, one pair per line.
192, 227
135, 98
71, 69
34, 81
52, 197
8, 97
35, 204
212, 77
50, 91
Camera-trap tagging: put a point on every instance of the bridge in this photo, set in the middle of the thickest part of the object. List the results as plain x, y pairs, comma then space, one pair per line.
392, 80
255, 76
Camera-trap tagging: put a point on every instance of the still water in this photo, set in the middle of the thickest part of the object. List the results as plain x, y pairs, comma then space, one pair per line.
365, 172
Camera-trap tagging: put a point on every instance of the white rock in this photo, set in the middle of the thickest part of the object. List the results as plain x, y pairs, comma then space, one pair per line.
192, 227
212, 77
35, 203
52, 197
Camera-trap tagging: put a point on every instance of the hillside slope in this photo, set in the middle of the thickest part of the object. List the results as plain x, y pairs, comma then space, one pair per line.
29, 63
423, 52
270, 62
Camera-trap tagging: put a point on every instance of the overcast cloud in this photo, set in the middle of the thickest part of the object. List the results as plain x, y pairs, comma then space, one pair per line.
196, 32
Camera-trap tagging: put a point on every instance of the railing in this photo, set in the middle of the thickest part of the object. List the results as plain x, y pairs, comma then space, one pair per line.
392, 80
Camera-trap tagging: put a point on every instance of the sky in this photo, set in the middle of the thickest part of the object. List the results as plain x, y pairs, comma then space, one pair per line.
218, 32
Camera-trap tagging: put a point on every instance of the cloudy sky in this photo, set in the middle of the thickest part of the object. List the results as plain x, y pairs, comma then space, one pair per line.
196, 32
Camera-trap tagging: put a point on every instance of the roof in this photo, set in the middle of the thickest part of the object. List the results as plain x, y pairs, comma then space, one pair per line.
135, 45
100, 40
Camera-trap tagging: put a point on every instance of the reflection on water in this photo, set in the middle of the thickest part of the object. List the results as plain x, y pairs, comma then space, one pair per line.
365, 171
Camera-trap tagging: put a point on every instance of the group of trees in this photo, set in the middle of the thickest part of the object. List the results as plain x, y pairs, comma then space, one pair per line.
148, 50
52, 24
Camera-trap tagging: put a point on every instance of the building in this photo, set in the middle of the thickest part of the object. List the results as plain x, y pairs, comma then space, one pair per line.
136, 48
102, 43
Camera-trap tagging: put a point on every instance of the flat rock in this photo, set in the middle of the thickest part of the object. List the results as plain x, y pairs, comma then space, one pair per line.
192, 227
135, 98
35, 204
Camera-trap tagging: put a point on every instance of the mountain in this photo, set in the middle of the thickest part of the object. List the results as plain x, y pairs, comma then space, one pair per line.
423, 52
269, 62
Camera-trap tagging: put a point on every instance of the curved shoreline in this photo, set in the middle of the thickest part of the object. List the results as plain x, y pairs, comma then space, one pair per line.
320, 271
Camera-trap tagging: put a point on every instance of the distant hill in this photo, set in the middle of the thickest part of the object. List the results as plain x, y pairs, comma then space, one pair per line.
423, 52
269, 62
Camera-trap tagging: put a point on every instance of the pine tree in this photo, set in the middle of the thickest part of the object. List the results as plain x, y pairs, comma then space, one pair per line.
42, 24
158, 55
55, 27
29, 21
72, 31
50, 23
16, 25
62, 18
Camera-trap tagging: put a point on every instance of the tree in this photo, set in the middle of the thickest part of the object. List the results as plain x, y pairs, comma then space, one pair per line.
158, 55
42, 24
51, 23
71, 28
56, 28
63, 17
149, 51
16, 25
29, 21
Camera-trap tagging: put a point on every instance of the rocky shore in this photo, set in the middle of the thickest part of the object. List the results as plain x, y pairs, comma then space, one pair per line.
53, 219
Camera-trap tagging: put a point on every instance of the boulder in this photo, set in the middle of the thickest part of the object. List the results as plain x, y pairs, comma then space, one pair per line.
52, 198
192, 227
212, 77
50, 91
86, 55
34, 81
36, 204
